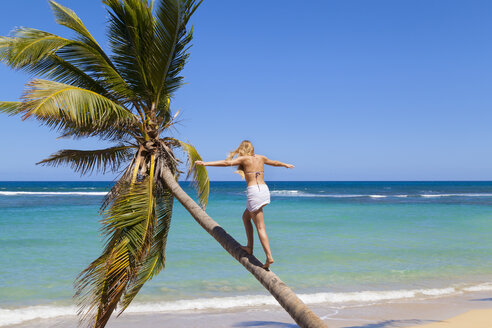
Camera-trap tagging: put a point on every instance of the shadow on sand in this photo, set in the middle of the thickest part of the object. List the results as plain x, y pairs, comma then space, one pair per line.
382, 324
394, 323
272, 324
482, 300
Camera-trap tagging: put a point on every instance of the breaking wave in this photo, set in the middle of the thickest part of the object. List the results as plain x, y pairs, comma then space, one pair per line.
53, 193
298, 193
19, 315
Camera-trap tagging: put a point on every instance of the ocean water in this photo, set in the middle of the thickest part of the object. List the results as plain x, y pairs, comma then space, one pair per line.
333, 242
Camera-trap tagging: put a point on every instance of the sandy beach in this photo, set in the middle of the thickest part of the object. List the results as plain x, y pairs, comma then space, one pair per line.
474, 318
470, 310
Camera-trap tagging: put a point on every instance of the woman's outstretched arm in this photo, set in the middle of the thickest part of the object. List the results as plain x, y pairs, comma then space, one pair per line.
277, 163
231, 162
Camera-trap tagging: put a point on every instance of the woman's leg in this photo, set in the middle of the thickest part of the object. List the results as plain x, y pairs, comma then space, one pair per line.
249, 232
260, 227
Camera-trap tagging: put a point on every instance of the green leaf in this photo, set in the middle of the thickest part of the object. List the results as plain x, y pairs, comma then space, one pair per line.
199, 173
129, 223
150, 51
104, 281
89, 56
70, 108
177, 47
29, 45
10, 107
86, 161
131, 36
40, 53
156, 259
67, 17
168, 32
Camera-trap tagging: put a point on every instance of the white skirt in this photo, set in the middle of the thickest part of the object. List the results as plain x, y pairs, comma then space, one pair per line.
257, 196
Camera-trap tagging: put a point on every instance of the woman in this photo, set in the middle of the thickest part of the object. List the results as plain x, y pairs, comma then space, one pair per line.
251, 167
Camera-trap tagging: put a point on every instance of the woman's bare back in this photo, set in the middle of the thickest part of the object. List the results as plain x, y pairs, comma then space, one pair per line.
254, 169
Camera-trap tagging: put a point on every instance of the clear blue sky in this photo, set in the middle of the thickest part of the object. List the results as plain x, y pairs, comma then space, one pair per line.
345, 90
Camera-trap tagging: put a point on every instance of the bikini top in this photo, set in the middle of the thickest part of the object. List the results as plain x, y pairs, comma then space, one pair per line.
256, 173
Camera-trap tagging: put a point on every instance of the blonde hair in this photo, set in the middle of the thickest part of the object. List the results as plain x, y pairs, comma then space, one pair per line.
245, 149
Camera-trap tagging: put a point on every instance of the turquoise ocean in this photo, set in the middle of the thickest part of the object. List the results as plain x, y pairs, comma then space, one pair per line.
333, 242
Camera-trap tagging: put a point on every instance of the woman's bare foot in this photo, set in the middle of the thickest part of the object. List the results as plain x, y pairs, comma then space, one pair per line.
267, 264
247, 249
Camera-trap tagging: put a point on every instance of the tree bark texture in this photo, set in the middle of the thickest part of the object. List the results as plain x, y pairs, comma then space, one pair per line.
301, 314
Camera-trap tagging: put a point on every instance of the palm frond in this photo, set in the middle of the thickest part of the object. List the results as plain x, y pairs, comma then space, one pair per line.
134, 209
131, 29
86, 161
168, 31
198, 173
121, 183
35, 52
163, 112
29, 45
103, 280
172, 40
156, 259
129, 223
87, 55
68, 18
74, 110
4, 43
149, 50
82, 60
10, 107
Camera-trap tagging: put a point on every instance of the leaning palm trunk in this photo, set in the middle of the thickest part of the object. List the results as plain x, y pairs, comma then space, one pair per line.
302, 315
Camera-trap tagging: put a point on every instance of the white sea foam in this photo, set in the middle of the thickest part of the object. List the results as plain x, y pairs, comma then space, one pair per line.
479, 288
53, 193
458, 195
435, 195
298, 193
284, 192
439, 291
344, 196
15, 316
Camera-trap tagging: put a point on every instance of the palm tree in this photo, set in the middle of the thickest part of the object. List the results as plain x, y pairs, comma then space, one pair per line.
125, 98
